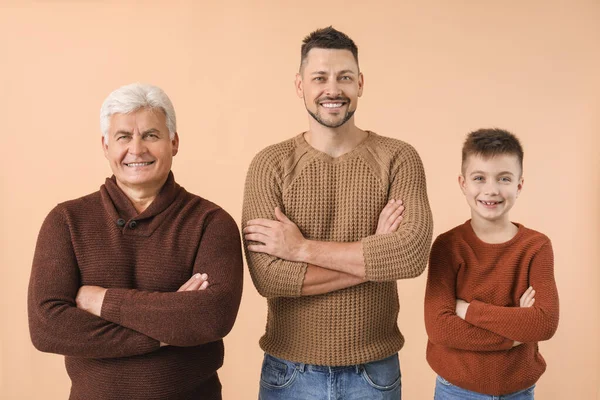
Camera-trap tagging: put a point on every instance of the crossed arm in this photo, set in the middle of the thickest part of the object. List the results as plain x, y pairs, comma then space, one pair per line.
283, 263
452, 322
97, 322
330, 266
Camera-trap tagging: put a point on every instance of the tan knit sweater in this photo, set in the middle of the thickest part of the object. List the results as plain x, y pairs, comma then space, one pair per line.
338, 199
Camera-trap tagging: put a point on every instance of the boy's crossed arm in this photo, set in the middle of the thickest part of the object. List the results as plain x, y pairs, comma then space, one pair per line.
443, 326
523, 324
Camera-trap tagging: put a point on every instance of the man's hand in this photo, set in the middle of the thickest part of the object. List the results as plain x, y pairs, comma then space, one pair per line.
526, 300
280, 238
196, 282
390, 217
89, 298
461, 308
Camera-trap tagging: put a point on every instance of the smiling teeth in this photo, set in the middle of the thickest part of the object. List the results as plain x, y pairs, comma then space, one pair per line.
331, 105
139, 164
489, 203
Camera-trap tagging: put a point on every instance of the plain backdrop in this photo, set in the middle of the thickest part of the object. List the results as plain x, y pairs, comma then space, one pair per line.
434, 70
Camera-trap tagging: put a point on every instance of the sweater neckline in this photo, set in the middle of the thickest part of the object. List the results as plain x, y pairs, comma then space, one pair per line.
472, 236
305, 146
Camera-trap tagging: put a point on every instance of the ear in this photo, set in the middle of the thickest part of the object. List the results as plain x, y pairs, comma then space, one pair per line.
361, 82
462, 184
104, 147
298, 85
175, 144
520, 185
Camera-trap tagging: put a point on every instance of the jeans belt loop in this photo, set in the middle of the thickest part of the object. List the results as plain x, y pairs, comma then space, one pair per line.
300, 367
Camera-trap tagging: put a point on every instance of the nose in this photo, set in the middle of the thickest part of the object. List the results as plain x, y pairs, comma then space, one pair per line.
333, 89
491, 188
137, 146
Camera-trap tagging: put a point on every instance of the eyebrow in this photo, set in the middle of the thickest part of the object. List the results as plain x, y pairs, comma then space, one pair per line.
345, 71
124, 132
484, 173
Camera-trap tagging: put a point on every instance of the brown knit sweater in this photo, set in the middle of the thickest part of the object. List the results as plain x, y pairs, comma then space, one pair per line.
477, 354
338, 199
142, 263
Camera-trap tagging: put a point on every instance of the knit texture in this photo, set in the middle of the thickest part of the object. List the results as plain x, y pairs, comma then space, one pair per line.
476, 353
338, 199
142, 264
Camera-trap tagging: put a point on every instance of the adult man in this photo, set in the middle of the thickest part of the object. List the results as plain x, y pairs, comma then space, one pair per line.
329, 275
138, 283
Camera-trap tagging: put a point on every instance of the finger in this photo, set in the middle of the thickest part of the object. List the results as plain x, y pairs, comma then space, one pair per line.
530, 296
188, 283
388, 209
256, 237
395, 214
258, 248
524, 295
396, 224
198, 283
269, 223
386, 217
257, 229
280, 215
204, 285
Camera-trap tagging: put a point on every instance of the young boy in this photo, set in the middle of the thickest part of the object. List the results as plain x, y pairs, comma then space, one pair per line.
491, 294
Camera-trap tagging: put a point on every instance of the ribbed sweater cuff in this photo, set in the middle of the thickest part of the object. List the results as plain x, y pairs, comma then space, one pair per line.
111, 306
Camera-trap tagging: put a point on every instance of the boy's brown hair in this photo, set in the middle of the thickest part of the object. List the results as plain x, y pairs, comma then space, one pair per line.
489, 143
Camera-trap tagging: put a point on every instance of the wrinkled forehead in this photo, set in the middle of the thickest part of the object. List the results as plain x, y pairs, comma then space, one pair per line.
140, 119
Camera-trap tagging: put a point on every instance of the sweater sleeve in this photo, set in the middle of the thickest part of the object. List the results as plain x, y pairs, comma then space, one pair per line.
56, 324
403, 254
443, 326
195, 317
524, 324
272, 276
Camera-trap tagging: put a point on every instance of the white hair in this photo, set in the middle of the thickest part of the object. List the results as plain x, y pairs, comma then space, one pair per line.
130, 98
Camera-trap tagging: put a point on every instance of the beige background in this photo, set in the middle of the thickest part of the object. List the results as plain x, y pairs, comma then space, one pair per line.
434, 70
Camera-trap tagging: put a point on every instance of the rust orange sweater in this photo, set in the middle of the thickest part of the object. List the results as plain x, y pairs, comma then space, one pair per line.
142, 259
476, 353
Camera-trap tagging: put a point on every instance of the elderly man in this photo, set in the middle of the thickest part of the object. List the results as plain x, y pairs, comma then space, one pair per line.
137, 283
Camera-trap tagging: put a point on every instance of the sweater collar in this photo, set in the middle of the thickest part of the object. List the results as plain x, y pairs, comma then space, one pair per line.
122, 212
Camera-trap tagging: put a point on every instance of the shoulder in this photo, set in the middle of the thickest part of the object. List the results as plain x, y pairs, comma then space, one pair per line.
275, 154
450, 238
211, 213
83, 205
70, 212
393, 151
531, 238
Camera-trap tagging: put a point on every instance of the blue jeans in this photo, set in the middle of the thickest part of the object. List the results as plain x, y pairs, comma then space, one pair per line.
282, 379
444, 390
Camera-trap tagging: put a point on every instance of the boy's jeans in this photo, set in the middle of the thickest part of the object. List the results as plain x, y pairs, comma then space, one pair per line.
444, 390
282, 379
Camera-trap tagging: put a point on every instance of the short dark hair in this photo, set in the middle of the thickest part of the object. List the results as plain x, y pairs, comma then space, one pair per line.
489, 143
327, 38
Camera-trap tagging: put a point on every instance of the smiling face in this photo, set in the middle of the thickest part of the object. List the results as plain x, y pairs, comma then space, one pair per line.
491, 186
330, 84
139, 149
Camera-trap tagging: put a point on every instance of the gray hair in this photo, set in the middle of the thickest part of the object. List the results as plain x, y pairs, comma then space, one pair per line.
130, 98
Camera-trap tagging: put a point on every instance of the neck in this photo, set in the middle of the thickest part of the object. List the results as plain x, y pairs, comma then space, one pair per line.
498, 231
334, 141
140, 197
